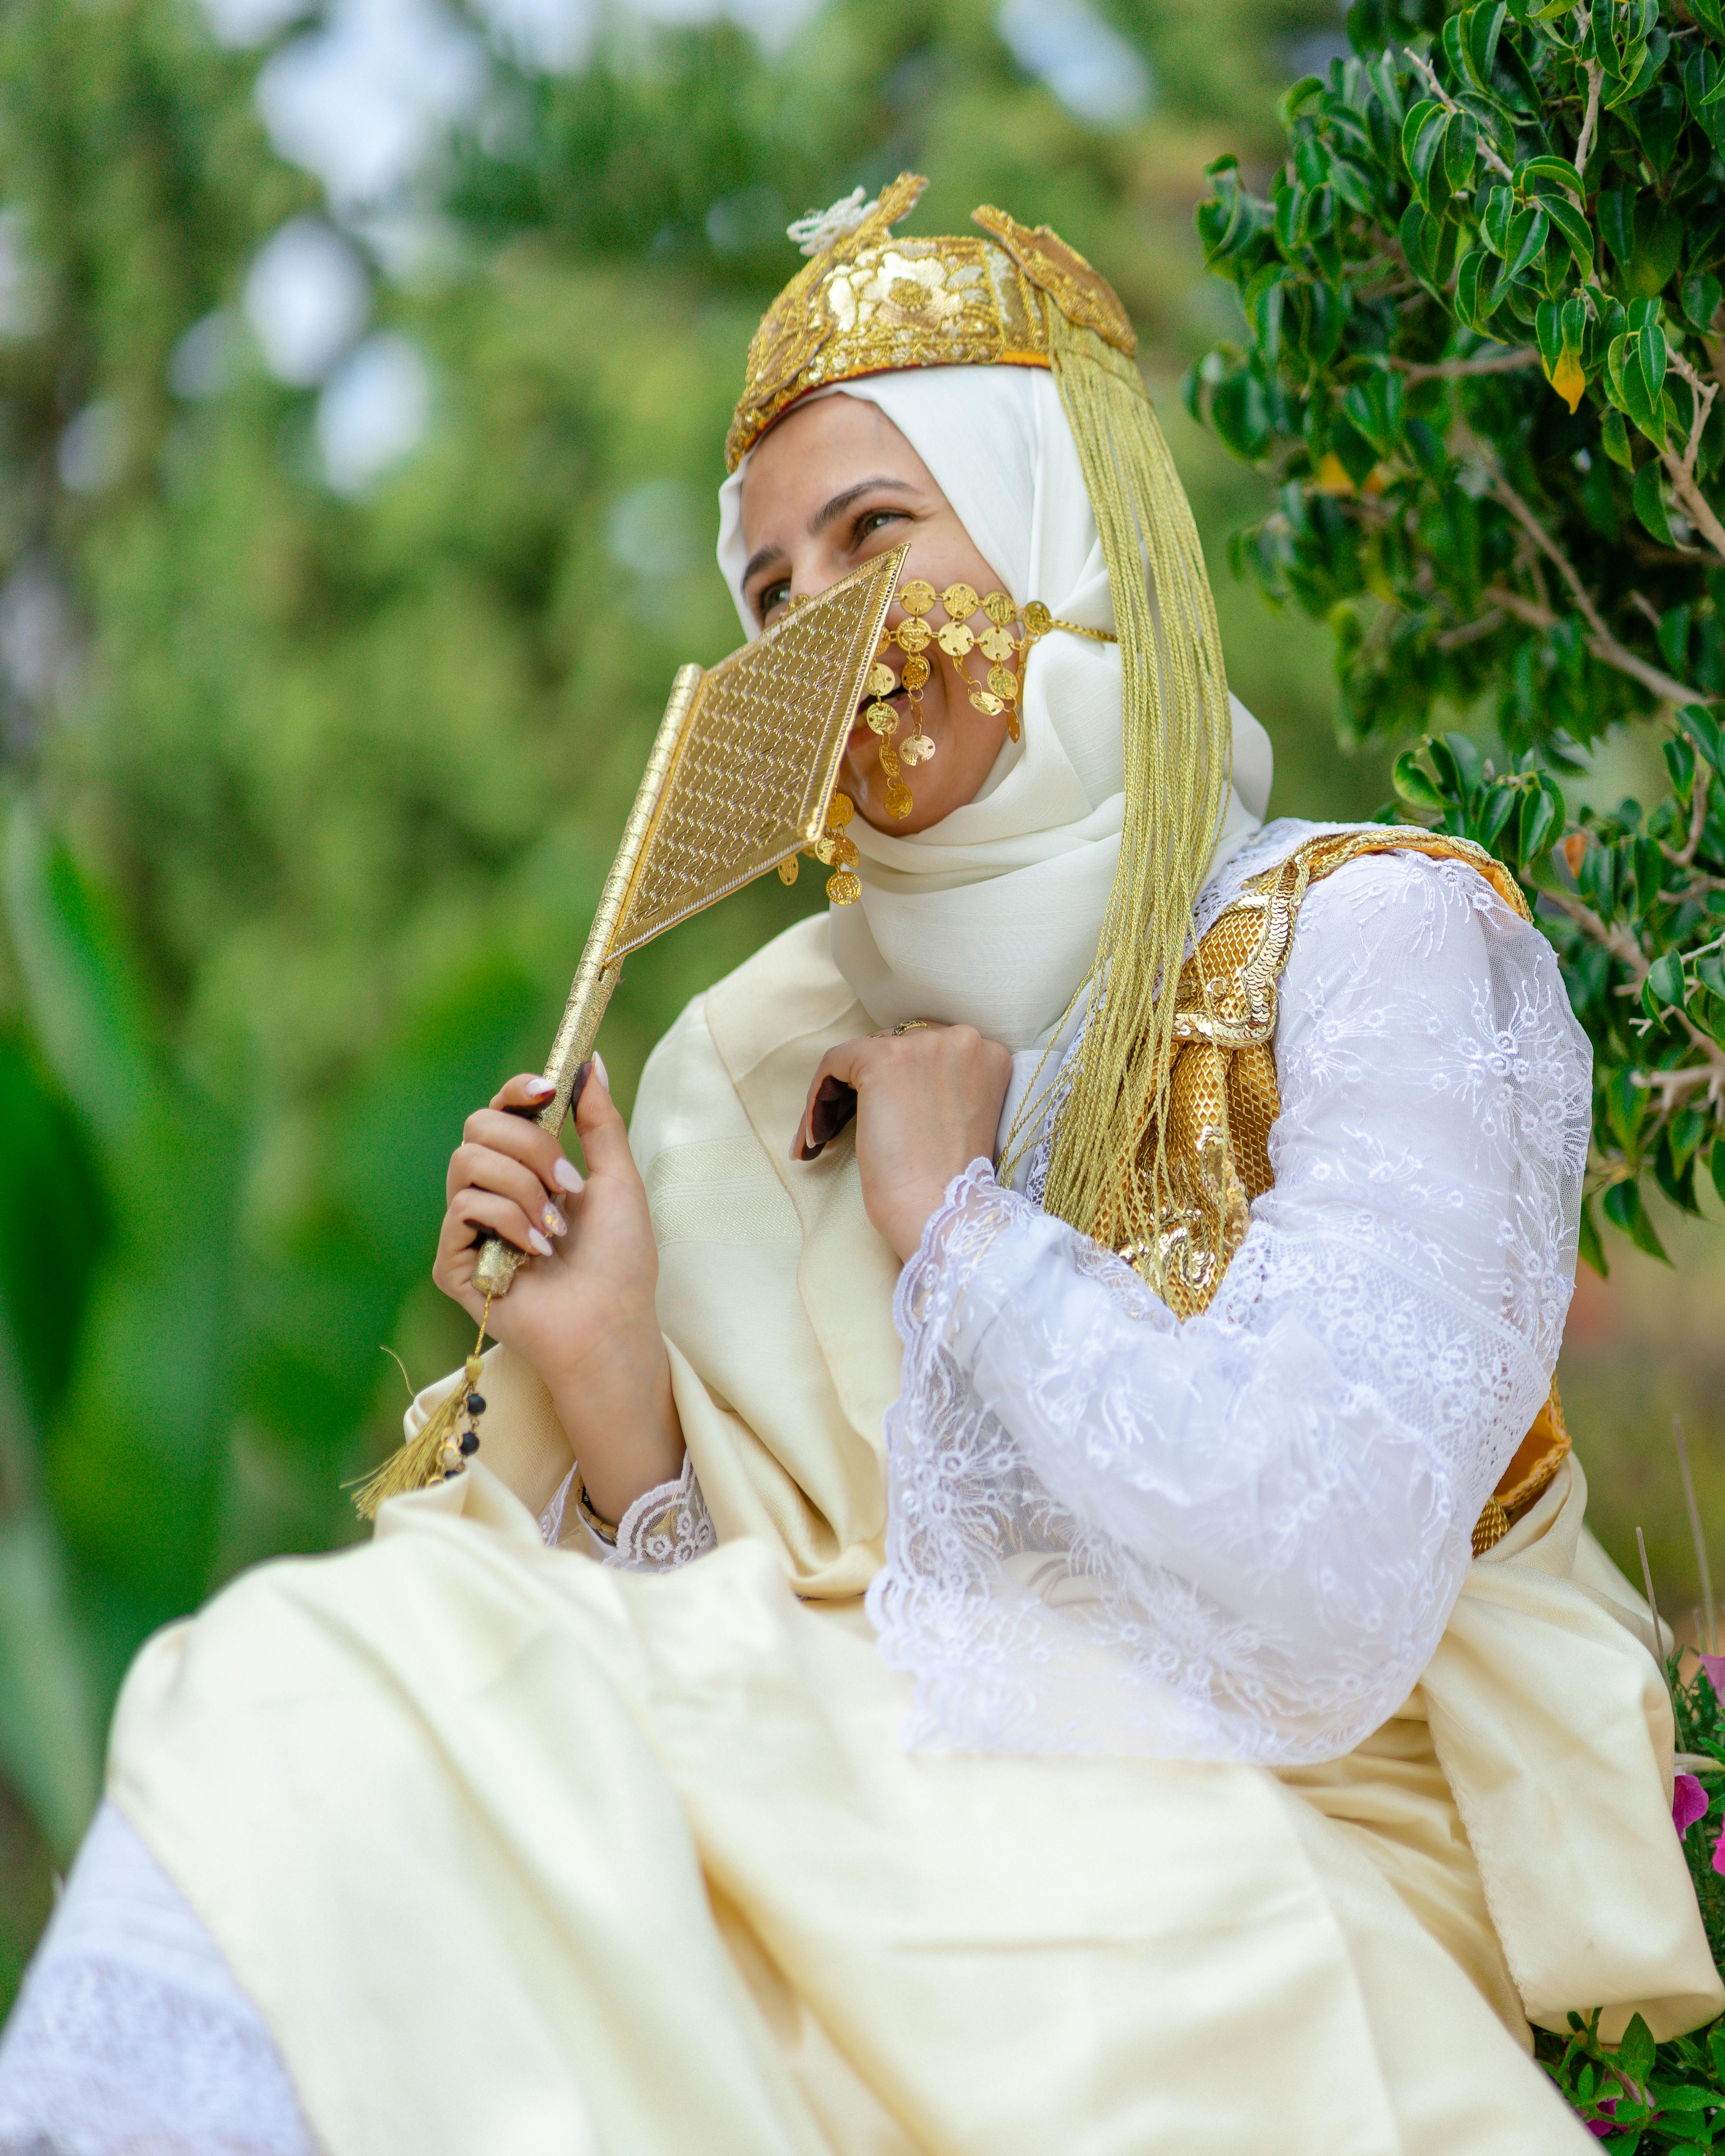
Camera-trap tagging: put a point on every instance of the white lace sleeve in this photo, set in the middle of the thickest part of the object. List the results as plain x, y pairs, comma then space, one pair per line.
1241, 1536
666, 1527
130, 2035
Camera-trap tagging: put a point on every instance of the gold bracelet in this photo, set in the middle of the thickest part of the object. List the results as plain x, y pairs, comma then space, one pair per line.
584, 1504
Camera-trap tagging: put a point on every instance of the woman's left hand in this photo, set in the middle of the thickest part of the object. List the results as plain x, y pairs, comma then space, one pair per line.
927, 1104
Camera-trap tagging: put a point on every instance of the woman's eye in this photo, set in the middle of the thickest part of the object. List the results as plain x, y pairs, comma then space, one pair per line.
774, 596
875, 520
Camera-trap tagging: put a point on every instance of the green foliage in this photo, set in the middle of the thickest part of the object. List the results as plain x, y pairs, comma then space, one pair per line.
1481, 363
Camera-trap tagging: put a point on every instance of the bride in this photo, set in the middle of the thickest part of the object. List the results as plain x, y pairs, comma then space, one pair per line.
1052, 1612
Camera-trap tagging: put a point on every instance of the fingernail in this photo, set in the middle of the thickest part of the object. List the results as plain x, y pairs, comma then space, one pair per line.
567, 1176
553, 1222
536, 1241
540, 1086
580, 1085
599, 1065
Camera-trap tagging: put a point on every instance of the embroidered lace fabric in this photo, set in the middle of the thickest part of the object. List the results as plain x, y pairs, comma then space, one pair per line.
1241, 1536
131, 2037
666, 1526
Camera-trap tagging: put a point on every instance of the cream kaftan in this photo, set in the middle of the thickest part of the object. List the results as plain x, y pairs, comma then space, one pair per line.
554, 1850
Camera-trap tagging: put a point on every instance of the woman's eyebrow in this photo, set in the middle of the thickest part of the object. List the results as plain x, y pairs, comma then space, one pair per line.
823, 516
840, 502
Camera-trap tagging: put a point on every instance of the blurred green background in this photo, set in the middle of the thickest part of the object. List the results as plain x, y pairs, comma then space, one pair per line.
363, 376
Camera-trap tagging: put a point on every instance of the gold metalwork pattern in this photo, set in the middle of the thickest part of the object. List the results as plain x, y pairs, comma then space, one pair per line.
755, 765
1223, 1099
958, 637
740, 778
871, 302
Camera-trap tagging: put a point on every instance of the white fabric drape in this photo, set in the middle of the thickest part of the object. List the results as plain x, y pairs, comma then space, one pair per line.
991, 916
1241, 1536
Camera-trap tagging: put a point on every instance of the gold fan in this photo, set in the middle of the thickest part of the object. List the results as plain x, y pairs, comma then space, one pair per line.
739, 781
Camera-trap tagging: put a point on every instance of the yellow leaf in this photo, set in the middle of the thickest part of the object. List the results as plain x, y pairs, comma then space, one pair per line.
1567, 377
1331, 475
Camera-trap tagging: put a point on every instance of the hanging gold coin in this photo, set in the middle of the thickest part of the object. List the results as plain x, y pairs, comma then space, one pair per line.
917, 596
996, 644
959, 601
913, 636
889, 759
844, 889
788, 871
955, 639
882, 718
1038, 620
998, 609
882, 680
840, 811
916, 671
1003, 682
899, 802
984, 702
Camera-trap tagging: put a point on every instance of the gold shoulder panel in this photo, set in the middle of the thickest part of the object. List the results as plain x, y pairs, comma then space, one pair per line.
1224, 1099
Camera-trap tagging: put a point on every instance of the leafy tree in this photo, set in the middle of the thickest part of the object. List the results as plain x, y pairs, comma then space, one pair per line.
1482, 360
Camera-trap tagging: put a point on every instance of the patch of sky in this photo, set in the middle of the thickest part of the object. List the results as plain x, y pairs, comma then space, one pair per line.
307, 296
374, 409
1093, 71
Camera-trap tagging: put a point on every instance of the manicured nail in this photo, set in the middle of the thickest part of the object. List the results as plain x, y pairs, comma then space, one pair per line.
553, 1222
542, 1089
536, 1241
580, 1085
567, 1176
599, 1065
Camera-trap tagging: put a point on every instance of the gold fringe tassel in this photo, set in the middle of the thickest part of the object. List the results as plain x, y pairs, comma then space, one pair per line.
425, 1459
1179, 739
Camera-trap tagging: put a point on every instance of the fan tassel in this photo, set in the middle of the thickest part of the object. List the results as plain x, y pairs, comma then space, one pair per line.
435, 1454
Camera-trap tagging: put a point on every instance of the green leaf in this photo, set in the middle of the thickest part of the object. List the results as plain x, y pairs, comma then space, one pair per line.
1716, 1169
1574, 228
50, 1726
1494, 224
1708, 12
1468, 270
1614, 437
1551, 172
1651, 351
1413, 783
1525, 239
1481, 28
1700, 295
1615, 213
1635, 2049
1422, 133
1665, 981
1536, 824
1625, 1211
1592, 1247
1458, 761
1296, 97
1703, 729
1649, 500
1548, 333
1461, 143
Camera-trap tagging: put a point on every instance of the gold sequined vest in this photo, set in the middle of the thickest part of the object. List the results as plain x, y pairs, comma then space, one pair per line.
1223, 1098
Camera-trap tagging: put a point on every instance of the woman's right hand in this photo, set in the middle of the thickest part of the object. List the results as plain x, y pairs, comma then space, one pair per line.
581, 1311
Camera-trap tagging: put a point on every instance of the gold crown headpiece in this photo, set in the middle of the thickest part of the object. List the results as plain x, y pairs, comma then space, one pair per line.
869, 302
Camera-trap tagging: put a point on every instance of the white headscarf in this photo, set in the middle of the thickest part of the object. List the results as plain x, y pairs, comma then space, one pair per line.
991, 916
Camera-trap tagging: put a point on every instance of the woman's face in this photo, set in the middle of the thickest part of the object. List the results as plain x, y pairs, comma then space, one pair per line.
833, 483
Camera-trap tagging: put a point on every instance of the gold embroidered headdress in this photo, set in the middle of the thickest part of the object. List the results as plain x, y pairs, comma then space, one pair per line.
870, 301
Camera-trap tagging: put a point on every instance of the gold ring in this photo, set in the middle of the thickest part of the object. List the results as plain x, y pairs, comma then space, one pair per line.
910, 1025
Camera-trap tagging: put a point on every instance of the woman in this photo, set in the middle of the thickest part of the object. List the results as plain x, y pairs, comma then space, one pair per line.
1188, 1781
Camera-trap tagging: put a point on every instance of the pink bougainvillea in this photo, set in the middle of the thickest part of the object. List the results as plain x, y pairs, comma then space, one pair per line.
1688, 1803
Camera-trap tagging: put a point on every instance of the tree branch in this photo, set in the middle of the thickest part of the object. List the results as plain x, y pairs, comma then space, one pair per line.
1618, 941
1452, 370
1596, 79
1548, 547
1604, 648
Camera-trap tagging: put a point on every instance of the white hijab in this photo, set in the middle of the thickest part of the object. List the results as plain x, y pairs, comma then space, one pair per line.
991, 916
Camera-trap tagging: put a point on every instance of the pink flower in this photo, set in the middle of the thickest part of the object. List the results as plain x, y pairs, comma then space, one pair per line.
1688, 1805
1714, 1665
1719, 1854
